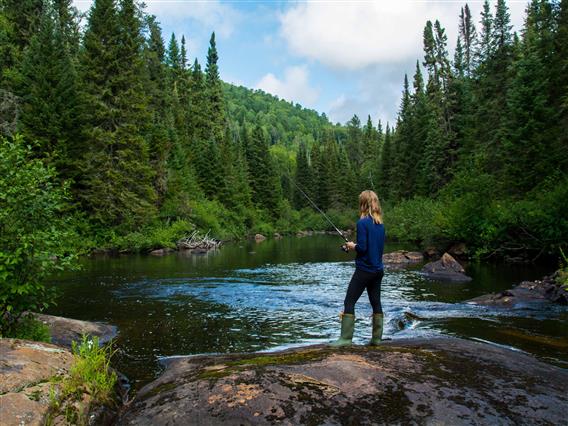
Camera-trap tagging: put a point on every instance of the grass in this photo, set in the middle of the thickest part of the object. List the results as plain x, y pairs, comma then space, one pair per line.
89, 375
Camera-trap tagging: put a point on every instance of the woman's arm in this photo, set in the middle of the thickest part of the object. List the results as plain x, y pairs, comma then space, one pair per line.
361, 246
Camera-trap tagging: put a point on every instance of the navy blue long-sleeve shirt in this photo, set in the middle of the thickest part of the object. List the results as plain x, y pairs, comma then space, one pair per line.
370, 245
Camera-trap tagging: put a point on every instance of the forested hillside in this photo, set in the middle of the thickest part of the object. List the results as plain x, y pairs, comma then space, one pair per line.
151, 144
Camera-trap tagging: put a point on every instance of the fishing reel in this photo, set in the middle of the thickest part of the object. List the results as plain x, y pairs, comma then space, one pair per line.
344, 248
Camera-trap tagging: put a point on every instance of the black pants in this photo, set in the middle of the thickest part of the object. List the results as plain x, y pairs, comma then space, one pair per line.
360, 281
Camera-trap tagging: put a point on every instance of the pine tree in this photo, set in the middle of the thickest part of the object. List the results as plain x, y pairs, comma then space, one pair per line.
215, 100
19, 21
531, 130
161, 140
263, 180
116, 186
303, 177
468, 37
51, 102
198, 116
401, 185
386, 166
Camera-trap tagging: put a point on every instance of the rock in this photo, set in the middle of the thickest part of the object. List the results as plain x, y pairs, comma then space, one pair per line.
432, 252
302, 234
26, 370
259, 237
446, 269
459, 250
526, 294
32, 374
407, 381
161, 252
402, 258
277, 236
64, 330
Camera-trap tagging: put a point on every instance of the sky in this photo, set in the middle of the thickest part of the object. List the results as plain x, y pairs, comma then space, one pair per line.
339, 57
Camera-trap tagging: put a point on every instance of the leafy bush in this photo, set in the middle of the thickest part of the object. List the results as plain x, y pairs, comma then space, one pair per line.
418, 219
29, 328
34, 234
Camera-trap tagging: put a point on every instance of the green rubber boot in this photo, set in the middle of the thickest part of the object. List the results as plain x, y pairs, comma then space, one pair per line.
377, 329
347, 328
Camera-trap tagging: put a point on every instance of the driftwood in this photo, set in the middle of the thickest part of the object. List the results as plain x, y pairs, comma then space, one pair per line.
197, 242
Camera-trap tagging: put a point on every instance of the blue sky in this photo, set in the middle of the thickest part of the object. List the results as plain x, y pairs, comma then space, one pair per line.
338, 57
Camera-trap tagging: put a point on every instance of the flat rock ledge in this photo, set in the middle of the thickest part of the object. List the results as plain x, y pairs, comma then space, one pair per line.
411, 381
66, 330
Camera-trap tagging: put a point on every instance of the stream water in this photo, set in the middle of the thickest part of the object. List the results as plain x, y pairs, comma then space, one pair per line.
281, 293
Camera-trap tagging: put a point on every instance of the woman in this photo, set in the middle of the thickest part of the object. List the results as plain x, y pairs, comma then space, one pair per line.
369, 269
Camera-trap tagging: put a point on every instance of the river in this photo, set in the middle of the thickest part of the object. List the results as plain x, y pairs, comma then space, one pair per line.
279, 293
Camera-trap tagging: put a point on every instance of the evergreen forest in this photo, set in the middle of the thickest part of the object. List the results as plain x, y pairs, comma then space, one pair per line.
114, 136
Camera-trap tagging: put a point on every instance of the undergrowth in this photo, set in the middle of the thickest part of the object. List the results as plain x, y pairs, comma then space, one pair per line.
29, 328
91, 382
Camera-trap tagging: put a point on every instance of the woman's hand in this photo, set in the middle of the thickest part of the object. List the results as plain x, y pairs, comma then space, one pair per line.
350, 245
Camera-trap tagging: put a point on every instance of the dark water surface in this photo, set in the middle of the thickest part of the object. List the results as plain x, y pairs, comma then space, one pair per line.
280, 293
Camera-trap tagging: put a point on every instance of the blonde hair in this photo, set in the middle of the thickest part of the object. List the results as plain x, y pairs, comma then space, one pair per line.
369, 205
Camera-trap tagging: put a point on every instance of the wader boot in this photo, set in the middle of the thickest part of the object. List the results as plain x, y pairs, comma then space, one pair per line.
377, 330
347, 328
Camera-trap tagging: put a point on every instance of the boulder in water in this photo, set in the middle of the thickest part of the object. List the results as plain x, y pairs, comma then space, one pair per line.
446, 269
402, 258
259, 237
527, 293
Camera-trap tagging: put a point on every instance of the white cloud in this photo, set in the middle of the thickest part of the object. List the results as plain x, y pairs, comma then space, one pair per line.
213, 14
355, 35
294, 86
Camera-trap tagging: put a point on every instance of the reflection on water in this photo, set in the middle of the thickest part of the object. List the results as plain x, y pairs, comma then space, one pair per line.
276, 294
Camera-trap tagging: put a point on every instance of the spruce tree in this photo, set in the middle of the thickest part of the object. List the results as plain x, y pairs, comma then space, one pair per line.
161, 138
263, 180
215, 100
303, 177
51, 102
468, 37
116, 186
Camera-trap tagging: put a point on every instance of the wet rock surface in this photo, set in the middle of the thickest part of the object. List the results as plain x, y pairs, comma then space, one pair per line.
65, 330
526, 294
401, 259
434, 381
445, 269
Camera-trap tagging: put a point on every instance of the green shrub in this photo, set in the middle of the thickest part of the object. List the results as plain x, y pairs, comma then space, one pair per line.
160, 235
90, 374
29, 328
35, 233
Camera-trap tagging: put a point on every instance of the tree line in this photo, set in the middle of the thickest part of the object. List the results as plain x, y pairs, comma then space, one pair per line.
144, 137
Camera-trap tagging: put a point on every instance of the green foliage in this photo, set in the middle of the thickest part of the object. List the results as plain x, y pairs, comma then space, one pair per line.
29, 328
159, 235
90, 374
563, 271
417, 219
34, 236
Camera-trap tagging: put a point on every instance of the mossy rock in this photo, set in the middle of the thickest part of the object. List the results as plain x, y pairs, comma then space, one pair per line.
442, 380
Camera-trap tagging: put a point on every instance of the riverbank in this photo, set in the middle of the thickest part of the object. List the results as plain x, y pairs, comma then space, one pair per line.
68, 381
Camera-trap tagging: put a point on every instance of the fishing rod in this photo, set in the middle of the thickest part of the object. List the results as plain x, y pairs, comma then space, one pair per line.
343, 247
